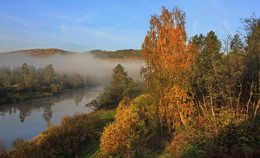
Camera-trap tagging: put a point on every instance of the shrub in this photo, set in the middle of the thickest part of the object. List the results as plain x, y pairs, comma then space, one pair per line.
125, 136
17, 142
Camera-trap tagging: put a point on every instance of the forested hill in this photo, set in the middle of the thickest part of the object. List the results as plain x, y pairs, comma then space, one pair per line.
42, 53
125, 53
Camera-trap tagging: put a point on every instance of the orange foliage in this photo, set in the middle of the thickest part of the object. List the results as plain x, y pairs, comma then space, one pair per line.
169, 59
166, 52
180, 107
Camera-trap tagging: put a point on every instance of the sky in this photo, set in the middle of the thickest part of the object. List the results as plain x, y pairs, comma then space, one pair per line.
83, 25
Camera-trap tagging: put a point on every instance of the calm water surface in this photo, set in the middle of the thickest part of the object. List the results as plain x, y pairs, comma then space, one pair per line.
27, 119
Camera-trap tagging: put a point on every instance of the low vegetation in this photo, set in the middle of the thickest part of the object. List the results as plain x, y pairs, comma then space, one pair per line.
64, 140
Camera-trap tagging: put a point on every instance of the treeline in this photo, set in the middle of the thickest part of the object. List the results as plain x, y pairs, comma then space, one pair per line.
200, 101
122, 54
42, 53
26, 82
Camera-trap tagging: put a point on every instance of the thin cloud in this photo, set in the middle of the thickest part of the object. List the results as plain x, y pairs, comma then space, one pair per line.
69, 30
16, 20
68, 18
195, 26
84, 18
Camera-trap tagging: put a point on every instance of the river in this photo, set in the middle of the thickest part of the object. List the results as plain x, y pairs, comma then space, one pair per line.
29, 118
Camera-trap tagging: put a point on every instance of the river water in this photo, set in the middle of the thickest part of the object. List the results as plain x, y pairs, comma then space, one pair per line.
29, 118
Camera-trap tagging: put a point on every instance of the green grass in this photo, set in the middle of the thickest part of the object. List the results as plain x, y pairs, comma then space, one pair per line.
89, 150
108, 114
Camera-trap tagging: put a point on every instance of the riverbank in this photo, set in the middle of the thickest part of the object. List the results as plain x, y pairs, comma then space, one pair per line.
31, 117
26, 96
75, 134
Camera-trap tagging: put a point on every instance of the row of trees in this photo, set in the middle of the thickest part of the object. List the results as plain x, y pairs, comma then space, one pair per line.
201, 99
125, 54
42, 53
26, 81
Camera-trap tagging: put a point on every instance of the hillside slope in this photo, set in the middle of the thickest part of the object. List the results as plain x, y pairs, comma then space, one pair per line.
125, 54
42, 53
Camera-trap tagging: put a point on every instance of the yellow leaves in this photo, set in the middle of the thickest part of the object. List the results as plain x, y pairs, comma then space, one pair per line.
124, 136
119, 136
179, 109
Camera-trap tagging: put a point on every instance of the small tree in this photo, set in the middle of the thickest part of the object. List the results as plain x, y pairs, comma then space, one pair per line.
17, 142
120, 86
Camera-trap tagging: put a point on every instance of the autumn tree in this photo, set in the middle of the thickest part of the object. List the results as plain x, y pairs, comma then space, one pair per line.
169, 59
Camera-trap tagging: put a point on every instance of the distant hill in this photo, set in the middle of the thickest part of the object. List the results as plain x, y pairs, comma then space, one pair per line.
42, 53
125, 53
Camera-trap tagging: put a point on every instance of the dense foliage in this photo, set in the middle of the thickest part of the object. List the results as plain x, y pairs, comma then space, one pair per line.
201, 102
125, 54
26, 82
42, 53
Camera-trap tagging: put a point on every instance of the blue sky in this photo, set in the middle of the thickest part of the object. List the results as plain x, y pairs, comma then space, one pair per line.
82, 25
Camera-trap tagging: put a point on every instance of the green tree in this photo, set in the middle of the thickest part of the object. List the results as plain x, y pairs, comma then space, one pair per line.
120, 86
209, 63
233, 73
199, 41
236, 44
49, 74
27, 78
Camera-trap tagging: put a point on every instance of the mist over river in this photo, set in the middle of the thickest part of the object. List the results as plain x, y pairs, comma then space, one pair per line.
29, 118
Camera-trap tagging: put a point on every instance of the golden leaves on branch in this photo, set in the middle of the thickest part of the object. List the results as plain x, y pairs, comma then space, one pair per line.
169, 60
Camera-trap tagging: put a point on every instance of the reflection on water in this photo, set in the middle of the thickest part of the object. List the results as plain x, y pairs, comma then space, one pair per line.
29, 118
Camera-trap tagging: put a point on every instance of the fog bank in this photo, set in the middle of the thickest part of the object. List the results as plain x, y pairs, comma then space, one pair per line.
83, 63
